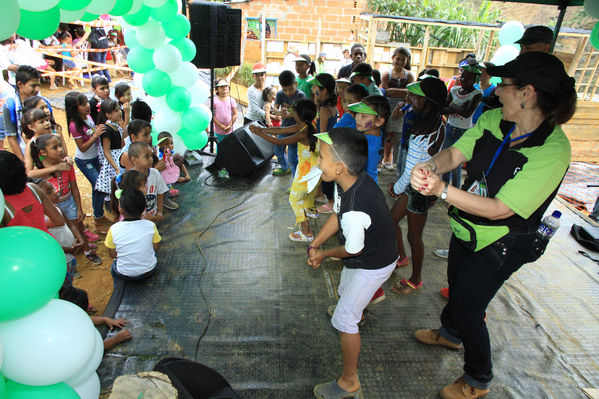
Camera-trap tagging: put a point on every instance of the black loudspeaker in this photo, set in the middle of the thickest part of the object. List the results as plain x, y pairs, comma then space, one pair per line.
216, 32
242, 152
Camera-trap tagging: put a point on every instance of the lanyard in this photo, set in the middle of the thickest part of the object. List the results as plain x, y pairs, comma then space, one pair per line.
503, 144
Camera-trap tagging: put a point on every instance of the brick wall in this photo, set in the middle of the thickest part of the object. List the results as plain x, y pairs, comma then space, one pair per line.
297, 20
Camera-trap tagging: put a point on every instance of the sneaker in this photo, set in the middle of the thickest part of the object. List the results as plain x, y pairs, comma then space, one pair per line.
92, 246
442, 253
170, 204
434, 337
332, 390
379, 296
281, 172
91, 237
76, 274
460, 389
93, 258
388, 165
298, 236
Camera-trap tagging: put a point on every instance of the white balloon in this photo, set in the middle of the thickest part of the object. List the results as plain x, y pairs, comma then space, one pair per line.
48, 346
71, 16
167, 58
89, 388
100, 7
155, 3
151, 34
167, 120
505, 54
136, 6
156, 103
185, 76
137, 90
92, 364
199, 93
179, 145
37, 5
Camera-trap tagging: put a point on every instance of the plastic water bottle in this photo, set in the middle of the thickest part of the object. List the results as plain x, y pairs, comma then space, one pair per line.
546, 230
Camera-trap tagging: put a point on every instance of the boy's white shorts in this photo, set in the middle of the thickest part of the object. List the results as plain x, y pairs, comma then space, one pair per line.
355, 290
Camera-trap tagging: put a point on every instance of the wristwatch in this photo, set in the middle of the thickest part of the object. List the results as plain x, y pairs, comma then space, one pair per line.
443, 195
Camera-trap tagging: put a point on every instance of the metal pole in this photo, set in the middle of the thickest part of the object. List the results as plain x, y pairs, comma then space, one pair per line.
563, 4
211, 138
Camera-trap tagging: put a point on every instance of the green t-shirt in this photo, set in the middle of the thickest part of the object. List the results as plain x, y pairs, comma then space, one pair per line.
304, 86
525, 177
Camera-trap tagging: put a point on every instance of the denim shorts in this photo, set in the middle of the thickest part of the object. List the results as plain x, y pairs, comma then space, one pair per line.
69, 64
418, 203
69, 207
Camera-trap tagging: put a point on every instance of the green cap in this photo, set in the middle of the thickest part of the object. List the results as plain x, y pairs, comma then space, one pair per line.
324, 137
313, 80
415, 88
362, 108
474, 68
358, 73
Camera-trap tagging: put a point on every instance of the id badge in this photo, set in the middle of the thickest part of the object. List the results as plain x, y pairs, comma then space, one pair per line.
478, 188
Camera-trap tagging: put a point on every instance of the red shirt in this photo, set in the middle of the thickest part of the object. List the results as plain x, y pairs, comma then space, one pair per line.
62, 183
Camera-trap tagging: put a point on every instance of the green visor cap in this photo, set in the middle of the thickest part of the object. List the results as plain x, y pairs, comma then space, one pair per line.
313, 80
476, 69
415, 88
358, 73
324, 137
361, 108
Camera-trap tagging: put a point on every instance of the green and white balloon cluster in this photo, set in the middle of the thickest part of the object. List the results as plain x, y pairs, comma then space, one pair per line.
509, 33
160, 55
49, 348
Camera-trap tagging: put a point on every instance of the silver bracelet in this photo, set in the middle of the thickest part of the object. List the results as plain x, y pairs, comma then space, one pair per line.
434, 167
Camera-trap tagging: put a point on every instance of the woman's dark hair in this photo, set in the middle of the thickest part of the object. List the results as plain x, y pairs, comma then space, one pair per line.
72, 101
141, 110
558, 107
376, 75
30, 116
79, 31
358, 91
120, 89
74, 295
13, 177
64, 35
32, 102
133, 203
109, 105
406, 52
328, 82
130, 180
306, 110
38, 145
267, 90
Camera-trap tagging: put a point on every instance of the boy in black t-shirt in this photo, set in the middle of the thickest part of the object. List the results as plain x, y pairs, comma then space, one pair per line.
101, 89
368, 246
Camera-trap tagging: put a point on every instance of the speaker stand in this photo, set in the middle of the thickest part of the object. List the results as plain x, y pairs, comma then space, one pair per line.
211, 136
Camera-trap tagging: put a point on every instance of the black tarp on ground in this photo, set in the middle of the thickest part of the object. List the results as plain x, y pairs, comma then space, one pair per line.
269, 333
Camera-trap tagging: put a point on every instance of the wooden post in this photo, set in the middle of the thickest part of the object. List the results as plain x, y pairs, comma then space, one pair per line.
318, 44
372, 25
584, 72
424, 53
263, 39
582, 42
479, 43
489, 44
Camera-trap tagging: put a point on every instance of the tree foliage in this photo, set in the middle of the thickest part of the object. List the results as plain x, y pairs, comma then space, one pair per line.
450, 10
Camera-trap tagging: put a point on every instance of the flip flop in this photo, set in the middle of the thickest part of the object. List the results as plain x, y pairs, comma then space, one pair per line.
332, 390
298, 236
324, 209
406, 287
402, 262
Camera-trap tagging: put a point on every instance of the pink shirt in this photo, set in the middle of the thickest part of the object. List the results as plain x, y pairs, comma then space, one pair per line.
223, 112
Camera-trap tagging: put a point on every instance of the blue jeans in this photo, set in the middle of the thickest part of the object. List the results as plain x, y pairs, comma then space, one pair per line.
90, 169
101, 58
474, 278
453, 134
291, 155
116, 275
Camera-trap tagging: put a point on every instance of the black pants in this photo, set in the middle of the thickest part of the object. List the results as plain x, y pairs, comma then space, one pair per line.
474, 279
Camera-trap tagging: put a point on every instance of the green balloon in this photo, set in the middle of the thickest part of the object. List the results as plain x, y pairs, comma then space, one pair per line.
595, 36
87, 17
9, 18
186, 47
196, 119
156, 83
154, 135
28, 280
121, 8
131, 38
61, 390
39, 25
139, 18
140, 59
166, 12
73, 5
177, 27
2, 386
194, 140
178, 99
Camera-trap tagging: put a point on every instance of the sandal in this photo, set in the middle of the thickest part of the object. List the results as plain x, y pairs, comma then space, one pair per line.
91, 310
298, 236
173, 192
326, 208
402, 262
312, 213
321, 200
281, 172
406, 287
332, 390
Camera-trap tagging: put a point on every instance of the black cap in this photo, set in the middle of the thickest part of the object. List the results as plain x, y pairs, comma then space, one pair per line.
536, 34
434, 89
363, 69
544, 71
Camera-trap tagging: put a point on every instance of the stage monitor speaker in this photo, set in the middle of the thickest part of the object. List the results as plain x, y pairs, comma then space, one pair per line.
242, 152
216, 33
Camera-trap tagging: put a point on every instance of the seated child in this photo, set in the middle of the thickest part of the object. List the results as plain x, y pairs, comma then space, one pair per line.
133, 241
79, 298
67, 235
165, 152
129, 180
69, 65
368, 248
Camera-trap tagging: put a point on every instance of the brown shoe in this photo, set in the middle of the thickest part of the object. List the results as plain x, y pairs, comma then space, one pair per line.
434, 337
462, 390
